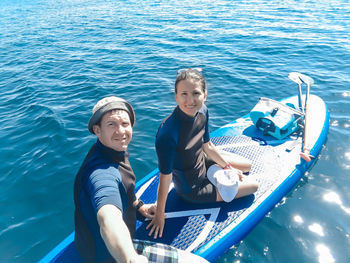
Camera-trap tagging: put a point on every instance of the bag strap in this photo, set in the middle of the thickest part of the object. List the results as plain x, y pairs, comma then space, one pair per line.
266, 125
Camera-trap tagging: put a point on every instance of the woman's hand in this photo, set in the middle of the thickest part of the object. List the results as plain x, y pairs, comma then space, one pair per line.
157, 225
239, 172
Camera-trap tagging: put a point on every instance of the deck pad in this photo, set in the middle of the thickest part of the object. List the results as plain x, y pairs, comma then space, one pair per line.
268, 166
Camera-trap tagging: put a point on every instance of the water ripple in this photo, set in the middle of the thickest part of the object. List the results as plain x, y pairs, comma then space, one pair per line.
57, 58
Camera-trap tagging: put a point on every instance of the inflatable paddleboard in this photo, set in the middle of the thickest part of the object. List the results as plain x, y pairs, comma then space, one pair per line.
211, 229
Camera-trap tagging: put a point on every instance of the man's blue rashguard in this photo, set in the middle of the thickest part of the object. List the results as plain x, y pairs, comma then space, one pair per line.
105, 177
179, 145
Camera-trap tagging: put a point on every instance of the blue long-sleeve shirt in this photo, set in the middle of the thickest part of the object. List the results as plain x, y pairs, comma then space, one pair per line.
104, 178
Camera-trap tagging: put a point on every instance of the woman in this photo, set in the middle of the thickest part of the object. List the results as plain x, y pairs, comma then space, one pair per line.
185, 153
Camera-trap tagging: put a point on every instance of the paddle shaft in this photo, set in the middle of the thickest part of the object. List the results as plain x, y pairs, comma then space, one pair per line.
306, 150
299, 79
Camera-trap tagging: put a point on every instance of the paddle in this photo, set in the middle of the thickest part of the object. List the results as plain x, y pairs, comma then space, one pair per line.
299, 79
294, 76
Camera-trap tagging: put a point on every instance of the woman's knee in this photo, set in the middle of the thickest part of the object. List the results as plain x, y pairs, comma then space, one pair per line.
247, 189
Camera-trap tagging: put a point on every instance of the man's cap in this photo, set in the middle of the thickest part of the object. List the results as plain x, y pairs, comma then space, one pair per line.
107, 104
226, 181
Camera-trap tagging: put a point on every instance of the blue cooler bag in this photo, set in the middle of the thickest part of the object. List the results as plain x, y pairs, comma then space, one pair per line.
275, 118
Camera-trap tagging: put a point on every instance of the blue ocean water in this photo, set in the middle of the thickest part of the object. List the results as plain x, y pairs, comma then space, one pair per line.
57, 58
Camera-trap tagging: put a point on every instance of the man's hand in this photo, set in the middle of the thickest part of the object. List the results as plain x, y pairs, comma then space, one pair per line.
148, 210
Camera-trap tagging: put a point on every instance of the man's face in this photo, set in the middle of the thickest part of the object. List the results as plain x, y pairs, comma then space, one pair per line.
115, 130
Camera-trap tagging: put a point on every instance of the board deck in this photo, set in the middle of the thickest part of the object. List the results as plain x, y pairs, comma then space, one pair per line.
209, 230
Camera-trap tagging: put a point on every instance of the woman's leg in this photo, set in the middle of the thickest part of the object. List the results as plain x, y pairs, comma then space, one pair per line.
205, 193
247, 187
237, 161
244, 189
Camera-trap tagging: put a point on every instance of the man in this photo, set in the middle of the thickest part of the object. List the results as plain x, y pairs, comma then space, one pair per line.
104, 193
104, 188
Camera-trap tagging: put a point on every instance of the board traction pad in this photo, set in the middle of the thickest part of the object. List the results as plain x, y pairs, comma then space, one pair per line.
264, 158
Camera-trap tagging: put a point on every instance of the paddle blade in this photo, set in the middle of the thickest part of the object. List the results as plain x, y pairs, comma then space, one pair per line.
294, 76
300, 78
306, 79
307, 156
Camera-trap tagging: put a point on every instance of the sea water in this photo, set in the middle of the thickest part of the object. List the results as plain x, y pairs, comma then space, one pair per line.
57, 58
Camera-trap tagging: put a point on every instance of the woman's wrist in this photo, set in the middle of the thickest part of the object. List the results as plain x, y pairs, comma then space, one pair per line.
160, 211
228, 166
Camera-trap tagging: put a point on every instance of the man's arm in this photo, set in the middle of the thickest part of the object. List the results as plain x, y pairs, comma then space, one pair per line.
157, 223
116, 235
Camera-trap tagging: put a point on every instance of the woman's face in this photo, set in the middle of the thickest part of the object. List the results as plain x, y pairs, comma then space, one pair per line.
190, 97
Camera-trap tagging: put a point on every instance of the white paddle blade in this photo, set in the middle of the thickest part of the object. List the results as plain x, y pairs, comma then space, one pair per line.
300, 78
294, 76
306, 79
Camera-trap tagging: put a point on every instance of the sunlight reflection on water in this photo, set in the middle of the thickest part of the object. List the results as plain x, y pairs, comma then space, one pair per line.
325, 255
333, 197
64, 55
317, 228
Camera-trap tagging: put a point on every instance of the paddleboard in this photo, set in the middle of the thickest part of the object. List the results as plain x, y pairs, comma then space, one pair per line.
209, 230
